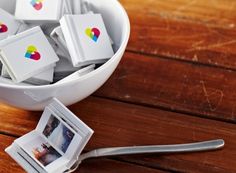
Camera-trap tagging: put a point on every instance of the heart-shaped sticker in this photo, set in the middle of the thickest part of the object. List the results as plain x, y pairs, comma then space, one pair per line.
3, 28
93, 33
32, 53
37, 4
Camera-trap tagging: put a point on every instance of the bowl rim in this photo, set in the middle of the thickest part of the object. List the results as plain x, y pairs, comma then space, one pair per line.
110, 61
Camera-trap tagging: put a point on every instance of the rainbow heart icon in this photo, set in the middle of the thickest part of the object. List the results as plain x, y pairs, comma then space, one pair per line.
37, 4
3, 28
32, 53
93, 33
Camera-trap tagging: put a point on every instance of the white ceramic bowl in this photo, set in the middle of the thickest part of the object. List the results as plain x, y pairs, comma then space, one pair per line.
37, 97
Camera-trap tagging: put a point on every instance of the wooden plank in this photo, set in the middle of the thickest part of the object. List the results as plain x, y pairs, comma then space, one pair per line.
8, 165
111, 166
219, 13
198, 31
183, 87
10, 122
121, 124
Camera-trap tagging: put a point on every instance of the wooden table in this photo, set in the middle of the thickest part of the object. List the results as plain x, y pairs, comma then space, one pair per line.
175, 84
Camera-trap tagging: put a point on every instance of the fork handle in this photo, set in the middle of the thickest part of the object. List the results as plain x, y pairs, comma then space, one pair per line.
178, 148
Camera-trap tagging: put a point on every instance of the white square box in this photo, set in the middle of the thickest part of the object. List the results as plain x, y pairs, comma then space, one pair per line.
63, 69
76, 6
87, 39
10, 82
27, 54
8, 24
59, 39
79, 73
43, 78
59, 134
41, 10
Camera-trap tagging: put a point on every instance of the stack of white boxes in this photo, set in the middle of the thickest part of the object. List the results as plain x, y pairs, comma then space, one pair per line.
50, 41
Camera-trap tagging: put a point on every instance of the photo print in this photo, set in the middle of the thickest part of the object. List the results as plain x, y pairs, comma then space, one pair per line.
42, 151
58, 134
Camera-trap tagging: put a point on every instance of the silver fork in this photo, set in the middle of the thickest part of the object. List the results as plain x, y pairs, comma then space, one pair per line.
177, 148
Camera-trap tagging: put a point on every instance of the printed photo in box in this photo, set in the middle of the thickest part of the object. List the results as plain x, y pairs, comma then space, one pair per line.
57, 133
42, 151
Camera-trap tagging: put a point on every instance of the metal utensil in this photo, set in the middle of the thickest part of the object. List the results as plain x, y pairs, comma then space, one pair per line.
178, 148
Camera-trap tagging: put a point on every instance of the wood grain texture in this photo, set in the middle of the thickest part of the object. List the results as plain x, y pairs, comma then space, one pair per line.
197, 30
6, 163
16, 120
121, 124
173, 85
112, 166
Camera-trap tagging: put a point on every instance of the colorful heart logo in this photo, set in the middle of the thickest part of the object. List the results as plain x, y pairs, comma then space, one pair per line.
93, 33
32, 53
37, 4
3, 28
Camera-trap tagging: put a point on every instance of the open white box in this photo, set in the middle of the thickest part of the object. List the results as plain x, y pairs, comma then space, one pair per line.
56, 143
69, 92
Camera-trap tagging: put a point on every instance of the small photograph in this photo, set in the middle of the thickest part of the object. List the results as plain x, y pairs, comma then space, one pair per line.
42, 151
58, 134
